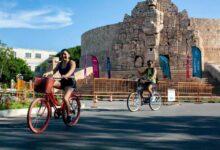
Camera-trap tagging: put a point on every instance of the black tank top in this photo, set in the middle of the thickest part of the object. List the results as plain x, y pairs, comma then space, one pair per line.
65, 70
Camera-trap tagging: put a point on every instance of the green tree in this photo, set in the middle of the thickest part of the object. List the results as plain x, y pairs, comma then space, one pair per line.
75, 54
11, 66
42, 68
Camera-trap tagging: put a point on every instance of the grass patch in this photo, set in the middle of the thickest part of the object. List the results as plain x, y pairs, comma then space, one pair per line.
15, 105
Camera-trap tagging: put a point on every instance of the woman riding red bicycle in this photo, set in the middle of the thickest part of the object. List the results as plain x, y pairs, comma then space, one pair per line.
66, 69
40, 110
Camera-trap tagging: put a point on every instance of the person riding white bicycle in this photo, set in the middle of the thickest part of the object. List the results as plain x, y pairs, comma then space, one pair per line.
148, 78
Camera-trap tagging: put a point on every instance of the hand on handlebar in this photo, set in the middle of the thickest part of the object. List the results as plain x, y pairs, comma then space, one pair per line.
46, 74
144, 80
64, 77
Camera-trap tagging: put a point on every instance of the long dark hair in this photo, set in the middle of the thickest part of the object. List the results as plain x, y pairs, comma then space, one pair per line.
61, 53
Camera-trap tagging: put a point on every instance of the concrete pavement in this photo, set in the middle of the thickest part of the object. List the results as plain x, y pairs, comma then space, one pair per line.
186, 126
120, 105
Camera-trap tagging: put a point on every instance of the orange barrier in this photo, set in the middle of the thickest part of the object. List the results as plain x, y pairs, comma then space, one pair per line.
121, 88
193, 90
22, 88
112, 88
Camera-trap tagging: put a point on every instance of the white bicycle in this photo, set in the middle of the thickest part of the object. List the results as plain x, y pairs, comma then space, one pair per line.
135, 100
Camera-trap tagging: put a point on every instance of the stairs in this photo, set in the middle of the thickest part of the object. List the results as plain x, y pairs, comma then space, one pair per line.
213, 70
213, 76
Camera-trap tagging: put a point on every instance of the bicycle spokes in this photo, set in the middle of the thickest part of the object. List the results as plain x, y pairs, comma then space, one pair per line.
133, 102
74, 107
74, 112
155, 101
38, 115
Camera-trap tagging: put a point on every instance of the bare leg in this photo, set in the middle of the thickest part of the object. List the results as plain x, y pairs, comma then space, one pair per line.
57, 85
150, 89
67, 94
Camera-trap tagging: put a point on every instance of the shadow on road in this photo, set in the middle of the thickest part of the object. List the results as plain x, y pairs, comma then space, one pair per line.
111, 131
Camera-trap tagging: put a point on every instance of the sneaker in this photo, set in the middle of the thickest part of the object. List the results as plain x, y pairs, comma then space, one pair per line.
69, 119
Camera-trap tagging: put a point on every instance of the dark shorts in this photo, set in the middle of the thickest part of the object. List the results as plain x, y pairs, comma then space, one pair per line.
146, 85
68, 83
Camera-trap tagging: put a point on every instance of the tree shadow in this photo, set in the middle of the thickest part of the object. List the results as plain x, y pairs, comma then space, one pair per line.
117, 131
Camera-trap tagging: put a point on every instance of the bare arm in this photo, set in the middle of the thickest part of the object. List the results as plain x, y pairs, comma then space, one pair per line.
141, 71
53, 71
56, 68
72, 69
155, 74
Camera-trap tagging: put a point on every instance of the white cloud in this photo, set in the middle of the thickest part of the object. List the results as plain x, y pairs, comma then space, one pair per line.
36, 19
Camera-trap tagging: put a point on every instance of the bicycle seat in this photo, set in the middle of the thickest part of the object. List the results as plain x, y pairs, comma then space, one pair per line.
143, 80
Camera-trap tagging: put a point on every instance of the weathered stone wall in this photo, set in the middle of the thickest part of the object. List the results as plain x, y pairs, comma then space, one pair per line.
98, 42
154, 28
139, 36
209, 32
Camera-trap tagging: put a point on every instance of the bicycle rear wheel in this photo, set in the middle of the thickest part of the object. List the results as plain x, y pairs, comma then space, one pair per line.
134, 102
38, 115
155, 101
75, 111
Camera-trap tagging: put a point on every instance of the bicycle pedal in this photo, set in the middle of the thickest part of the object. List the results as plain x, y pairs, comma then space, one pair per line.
72, 112
147, 100
69, 119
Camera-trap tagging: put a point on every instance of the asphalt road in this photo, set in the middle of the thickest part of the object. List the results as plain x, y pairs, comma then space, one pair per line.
179, 127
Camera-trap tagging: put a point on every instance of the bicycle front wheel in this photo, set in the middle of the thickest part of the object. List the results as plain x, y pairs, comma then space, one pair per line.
38, 115
155, 101
74, 113
134, 102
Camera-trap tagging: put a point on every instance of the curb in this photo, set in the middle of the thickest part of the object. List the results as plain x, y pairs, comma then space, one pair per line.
23, 112
13, 113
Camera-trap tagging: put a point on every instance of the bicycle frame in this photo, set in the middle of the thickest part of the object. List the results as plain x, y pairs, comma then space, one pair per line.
50, 97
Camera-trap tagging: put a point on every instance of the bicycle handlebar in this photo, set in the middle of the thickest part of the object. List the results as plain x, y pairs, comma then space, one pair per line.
63, 77
71, 77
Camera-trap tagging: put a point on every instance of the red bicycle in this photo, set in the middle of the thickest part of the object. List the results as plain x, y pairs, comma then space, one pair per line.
40, 110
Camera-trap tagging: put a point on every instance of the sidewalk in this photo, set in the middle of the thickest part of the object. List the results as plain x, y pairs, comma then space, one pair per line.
104, 105
86, 105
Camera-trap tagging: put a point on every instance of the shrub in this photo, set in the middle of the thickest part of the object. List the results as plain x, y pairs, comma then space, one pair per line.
14, 105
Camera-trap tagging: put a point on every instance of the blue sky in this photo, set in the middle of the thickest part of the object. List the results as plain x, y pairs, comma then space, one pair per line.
58, 24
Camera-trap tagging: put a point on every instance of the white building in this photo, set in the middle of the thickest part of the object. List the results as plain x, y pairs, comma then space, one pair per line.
33, 57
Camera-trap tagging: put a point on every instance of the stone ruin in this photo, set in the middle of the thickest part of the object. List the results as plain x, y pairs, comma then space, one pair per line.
155, 27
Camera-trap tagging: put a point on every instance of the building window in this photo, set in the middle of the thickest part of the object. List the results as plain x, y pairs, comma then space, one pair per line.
38, 55
27, 55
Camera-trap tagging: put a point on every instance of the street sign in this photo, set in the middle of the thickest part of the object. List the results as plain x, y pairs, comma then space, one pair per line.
171, 95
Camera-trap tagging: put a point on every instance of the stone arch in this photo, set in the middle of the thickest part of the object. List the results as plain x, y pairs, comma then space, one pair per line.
137, 60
